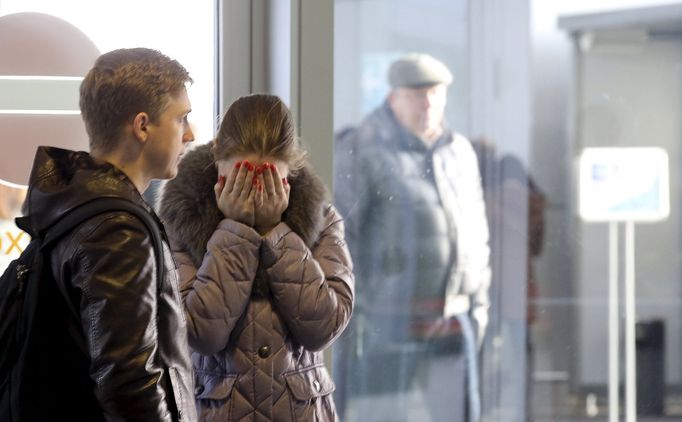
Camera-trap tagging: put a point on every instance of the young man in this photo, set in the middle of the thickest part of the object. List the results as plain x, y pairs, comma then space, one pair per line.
135, 361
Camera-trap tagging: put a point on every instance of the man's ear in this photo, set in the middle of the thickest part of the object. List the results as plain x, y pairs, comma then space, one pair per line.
141, 126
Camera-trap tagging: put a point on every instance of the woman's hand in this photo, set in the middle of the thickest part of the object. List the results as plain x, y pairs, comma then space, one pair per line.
236, 195
272, 198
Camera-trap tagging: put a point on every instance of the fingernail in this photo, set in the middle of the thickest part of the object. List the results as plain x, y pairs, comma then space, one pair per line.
221, 179
255, 179
285, 181
259, 169
239, 164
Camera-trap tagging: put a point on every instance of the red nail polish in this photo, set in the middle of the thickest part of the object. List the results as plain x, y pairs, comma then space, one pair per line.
239, 164
259, 169
221, 179
251, 167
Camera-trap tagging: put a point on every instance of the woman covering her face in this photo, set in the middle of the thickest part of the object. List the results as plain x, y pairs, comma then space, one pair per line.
265, 274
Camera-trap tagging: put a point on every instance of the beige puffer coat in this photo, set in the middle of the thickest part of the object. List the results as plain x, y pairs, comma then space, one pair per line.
260, 310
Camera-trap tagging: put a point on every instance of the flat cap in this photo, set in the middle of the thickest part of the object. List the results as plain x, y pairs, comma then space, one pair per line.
418, 70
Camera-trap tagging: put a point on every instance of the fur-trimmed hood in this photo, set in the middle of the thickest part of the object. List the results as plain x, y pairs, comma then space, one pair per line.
190, 213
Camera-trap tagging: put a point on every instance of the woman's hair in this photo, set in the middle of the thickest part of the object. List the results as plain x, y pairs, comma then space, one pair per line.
259, 124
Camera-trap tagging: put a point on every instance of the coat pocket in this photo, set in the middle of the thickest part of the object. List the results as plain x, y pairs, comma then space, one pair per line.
310, 391
214, 387
213, 395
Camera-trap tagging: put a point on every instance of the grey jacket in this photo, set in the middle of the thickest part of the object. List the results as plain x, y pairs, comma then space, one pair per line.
260, 309
416, 223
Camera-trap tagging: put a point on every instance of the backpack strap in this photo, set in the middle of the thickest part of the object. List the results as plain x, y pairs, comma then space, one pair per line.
87, 211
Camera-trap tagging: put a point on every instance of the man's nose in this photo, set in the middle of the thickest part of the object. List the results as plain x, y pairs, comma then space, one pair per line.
427, 102
432, 98
188, 135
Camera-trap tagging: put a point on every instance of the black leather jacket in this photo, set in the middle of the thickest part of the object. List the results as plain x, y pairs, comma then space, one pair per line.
137, 366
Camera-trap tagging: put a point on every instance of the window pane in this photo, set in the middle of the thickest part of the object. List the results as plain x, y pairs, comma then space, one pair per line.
564, 121
39, 105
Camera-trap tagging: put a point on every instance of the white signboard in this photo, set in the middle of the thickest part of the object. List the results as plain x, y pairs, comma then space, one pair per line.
624, 184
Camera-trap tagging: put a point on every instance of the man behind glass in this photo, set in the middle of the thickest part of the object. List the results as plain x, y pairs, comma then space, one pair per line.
410, 190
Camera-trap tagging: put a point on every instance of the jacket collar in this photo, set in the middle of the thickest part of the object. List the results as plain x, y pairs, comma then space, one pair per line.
62, 180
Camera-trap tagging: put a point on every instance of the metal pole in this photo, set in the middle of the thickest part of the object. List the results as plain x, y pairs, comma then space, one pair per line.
630, 350
613, 324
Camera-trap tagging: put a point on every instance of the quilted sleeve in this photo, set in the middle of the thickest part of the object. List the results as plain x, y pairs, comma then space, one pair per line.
312, 289
216, 294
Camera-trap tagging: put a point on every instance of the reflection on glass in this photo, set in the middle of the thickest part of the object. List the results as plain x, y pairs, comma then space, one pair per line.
409, 188
553, 347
